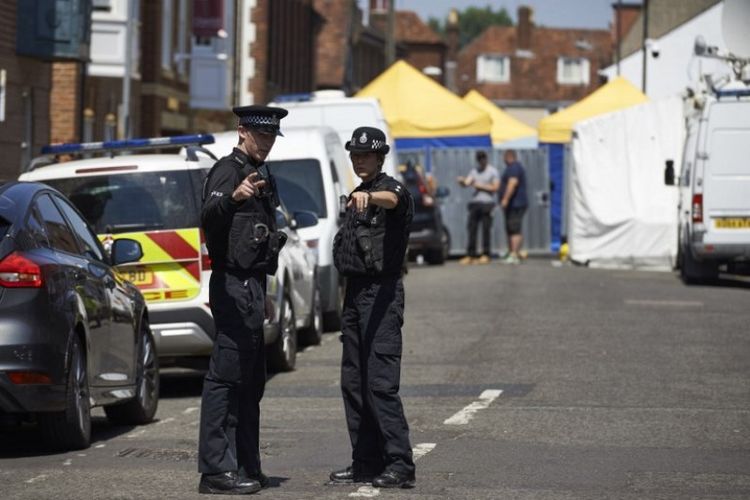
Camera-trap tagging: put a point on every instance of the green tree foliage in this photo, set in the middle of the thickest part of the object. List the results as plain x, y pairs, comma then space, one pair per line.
472, 21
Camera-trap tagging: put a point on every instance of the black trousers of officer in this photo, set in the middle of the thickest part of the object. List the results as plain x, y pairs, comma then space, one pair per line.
236, 379
370, 374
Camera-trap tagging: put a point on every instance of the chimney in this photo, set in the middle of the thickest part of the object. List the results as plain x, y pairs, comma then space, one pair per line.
379, 6
525, 27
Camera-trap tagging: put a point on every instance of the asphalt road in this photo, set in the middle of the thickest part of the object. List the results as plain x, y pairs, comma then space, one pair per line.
519, 382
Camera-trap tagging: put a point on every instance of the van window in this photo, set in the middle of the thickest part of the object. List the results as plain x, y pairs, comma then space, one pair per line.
134, 202
300, 185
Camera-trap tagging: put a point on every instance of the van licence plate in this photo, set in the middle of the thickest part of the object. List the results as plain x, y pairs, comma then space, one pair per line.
732, 223
139, 276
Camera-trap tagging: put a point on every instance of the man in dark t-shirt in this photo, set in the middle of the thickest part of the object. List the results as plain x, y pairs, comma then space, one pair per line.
514, 201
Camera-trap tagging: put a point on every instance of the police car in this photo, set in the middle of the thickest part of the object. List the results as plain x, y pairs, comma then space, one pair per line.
155, 200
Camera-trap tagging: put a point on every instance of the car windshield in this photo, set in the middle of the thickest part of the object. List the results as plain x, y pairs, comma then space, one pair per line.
300, 185
135, 202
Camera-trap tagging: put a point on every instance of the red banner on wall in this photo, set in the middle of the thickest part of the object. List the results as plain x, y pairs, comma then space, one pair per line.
208, 17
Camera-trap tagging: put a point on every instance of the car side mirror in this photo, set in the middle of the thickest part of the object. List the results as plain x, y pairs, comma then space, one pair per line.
125, 250
442, 192
304, 218
669, 173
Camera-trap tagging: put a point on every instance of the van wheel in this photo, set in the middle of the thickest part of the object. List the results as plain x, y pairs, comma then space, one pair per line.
283, 353
332, 319
313, 334
693, 271
70, 429
142, 408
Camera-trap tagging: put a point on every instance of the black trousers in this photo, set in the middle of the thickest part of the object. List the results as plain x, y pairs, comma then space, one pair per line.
236, 378
480, 213
370, 374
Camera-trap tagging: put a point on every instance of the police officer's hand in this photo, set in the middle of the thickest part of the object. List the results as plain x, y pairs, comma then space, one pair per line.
248, 188
359, 200
270, 312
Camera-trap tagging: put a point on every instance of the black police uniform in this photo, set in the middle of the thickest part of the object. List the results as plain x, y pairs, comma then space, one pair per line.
369, 251
243, 245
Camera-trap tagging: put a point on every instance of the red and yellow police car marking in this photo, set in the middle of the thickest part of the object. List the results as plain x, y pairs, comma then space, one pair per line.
170, 266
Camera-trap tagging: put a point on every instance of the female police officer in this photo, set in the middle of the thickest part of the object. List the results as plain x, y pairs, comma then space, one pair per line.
369, 251
239, 220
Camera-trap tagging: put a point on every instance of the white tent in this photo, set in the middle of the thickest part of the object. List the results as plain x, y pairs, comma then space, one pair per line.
621, 213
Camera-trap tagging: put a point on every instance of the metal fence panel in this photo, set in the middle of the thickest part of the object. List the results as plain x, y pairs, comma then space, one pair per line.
449, 163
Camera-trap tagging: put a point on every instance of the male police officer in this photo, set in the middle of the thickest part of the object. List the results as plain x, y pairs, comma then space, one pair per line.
369, 251
239, 220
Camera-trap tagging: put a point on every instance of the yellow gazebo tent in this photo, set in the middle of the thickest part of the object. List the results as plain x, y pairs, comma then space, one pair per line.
422, 113
617, 94
504, 127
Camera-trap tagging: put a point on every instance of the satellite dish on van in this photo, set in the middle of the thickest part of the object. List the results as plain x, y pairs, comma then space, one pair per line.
734, 25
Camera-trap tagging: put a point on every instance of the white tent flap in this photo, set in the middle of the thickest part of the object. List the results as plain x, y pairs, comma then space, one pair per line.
621, 213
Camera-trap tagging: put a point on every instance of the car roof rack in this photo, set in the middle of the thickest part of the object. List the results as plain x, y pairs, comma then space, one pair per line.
52, 150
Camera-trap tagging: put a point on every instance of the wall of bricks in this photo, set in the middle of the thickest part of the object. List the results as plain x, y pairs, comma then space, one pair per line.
65, 102
28, 84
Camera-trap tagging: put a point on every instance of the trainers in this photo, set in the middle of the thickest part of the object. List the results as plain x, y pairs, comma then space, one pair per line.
511, 259
466, 260
484, 259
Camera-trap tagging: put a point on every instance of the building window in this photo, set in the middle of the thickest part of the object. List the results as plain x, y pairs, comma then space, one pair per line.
167, 25
102, 5
182, 38
572, 71
493, 68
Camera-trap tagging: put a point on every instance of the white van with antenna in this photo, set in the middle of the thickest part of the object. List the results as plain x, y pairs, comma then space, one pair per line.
714, 180
333, 109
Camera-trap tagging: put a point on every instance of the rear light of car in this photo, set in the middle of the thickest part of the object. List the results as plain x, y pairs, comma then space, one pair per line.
21, 378
18, 271
205, 259
698, 208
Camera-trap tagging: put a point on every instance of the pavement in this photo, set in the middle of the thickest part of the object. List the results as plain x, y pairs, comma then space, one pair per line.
535, 381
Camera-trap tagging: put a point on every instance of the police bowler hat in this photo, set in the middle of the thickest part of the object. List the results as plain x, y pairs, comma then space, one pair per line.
266, 119
366, 140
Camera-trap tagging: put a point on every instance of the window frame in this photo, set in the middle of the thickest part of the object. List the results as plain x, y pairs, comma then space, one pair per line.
50, 237
584, 71
102, 254
482, 69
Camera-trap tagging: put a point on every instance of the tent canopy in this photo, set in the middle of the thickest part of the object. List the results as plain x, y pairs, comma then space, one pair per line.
617, 94
421, 112
504, 127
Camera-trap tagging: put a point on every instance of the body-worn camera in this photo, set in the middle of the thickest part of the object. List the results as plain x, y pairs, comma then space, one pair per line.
269, 190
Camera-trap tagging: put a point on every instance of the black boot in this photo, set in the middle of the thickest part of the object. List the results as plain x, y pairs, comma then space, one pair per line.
258, 476
393, 479
351, 475
227, 483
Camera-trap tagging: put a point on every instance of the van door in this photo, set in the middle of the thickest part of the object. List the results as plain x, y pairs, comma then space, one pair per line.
726, 204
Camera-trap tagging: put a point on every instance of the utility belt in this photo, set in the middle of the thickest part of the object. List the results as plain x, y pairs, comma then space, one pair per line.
253, 246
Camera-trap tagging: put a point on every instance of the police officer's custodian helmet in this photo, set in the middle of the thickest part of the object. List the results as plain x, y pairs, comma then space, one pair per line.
264, 118
367, 139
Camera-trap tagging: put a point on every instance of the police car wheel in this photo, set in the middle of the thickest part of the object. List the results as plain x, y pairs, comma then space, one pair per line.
313, 334
283, 355
70, 429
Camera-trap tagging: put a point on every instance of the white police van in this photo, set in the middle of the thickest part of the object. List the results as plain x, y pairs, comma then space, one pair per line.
714, 181
155, 199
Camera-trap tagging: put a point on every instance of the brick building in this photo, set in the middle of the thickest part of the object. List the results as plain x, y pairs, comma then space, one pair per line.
32, 43
420, 45
531, 70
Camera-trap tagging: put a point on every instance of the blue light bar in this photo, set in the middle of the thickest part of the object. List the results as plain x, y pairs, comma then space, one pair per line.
301, 97
732, 93
128, 144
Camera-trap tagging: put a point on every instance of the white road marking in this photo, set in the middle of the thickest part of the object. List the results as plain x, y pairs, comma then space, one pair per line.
165, 421
40, 477
188, 411
81, 455
136, 434
68, 461
100, 446
366, 492
463, 416
422, 449
664, 303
